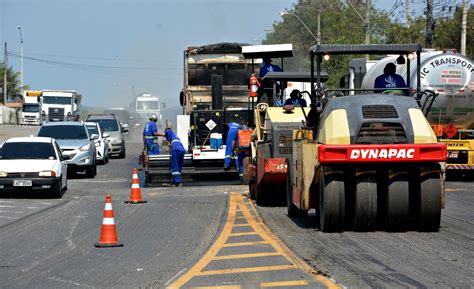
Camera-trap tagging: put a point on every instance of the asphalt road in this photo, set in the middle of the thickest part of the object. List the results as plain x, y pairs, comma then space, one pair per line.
203, 236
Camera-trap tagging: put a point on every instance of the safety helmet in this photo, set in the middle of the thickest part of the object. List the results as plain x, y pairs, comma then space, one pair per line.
153, 117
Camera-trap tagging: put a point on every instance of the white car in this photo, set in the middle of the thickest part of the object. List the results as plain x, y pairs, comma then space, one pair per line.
101, 142
33, 163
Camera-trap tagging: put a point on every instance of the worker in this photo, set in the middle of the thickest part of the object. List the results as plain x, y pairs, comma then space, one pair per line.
265, 90
267, 66
150, 133
295, 99
177, 156
389, 81
243, 147
230, 143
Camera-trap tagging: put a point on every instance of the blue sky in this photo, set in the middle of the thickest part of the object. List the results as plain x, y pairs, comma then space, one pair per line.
103, 48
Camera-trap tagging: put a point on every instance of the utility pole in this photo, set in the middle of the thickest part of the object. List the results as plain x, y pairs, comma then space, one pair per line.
407, 13
429, 24
318, 33
464, 26
5, 69
368, 8
21, 57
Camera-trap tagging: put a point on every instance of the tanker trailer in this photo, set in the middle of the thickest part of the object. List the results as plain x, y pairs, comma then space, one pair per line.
451, 116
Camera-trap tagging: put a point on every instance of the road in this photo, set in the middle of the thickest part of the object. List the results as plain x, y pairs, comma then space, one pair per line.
202, 236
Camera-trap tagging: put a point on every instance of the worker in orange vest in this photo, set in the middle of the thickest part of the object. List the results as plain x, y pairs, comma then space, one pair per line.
254, 84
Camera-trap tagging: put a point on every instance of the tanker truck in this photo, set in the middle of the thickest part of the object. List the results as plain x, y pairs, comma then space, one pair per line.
451, 115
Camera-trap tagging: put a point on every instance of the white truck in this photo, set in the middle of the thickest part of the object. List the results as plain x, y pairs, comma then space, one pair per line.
60, 105
146, 104
31, 111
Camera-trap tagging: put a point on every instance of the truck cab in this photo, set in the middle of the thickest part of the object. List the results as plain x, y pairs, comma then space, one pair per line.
60, 105
31, 111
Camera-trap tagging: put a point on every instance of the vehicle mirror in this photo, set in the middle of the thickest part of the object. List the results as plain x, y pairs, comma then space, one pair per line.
125, 125
106, 135
124, 129
94, 136
65, 157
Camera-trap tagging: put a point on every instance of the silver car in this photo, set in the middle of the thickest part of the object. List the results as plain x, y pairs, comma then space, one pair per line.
102, 146
75, 141
112, 126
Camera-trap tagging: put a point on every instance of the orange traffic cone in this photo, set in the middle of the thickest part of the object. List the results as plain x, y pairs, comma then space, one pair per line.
108, 234
135, 193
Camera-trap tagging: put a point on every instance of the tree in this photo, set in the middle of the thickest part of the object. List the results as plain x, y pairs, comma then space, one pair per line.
448, 32
13, 83
341, 24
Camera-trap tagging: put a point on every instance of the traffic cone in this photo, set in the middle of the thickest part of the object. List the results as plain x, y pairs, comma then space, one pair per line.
108, 234
135, 193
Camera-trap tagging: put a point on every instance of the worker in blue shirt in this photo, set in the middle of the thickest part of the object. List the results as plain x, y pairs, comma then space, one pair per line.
267, 66
295, 99
177, 156
230, 143
150, 133
389, 81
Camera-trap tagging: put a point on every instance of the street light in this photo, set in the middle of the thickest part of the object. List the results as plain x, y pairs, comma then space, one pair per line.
286, 12
21, 57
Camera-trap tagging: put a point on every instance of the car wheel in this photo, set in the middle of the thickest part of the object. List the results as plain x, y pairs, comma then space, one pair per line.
122, 152
57, 192
91, 171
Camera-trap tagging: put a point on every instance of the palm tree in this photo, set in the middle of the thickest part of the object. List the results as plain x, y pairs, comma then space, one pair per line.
13, 83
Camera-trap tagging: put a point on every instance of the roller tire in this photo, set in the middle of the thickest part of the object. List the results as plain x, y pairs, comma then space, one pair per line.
397, 207
292, 210
331, 203
365, 204
261, 197
430, 204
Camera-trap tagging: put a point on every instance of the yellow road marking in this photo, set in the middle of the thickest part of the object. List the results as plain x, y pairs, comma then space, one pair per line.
237, 203
241, 256
284, 283
218, 287
240, 244
247, 270
242, 234
241, 225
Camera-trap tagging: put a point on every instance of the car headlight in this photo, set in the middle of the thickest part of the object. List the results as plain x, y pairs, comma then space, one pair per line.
84, 148
47, 174
3, 174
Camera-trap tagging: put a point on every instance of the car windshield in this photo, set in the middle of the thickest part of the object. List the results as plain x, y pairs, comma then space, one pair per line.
57, 100
27, 150
107, 124
30, 107
147, 105
63, 132
92, 129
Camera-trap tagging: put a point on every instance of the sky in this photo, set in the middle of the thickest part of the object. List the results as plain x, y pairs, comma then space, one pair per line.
108, 49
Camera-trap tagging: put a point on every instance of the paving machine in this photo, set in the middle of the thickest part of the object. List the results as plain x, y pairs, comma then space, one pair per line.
367, 161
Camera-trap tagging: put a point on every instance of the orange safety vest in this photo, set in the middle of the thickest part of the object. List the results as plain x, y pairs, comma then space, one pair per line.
254, 84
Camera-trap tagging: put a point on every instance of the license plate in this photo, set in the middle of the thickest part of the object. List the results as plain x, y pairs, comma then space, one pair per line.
22, 183
453, 155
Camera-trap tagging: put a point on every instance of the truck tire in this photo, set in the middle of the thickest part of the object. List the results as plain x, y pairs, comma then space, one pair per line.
397, 205
365, 203
430, 203
291, 209
331, 202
